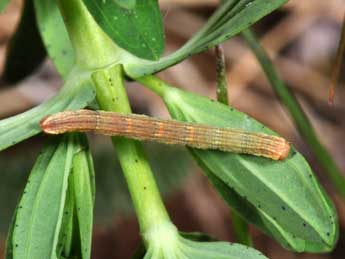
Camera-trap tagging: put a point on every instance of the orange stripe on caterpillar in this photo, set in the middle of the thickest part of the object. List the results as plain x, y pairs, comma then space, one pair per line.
143, 127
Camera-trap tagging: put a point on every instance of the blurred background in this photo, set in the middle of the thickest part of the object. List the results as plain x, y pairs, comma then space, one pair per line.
302, 39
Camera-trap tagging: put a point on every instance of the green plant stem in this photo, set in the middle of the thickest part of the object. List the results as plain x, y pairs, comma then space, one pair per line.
300, 119
240, 226
222, 81
94, 49
147, 201
154, 83
337, 65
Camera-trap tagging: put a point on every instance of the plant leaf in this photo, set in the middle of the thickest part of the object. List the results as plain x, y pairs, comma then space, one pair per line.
25, 51
231, 18
3, 4
54, 35
66, 235
84, 193
40, 210
76, 93
301, 120
76, 228
134, 25
289, 202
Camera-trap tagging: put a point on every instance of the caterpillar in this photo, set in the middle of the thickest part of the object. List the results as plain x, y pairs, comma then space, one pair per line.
143, 127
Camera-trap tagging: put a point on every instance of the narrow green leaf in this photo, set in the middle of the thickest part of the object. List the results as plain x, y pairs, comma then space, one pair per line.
76, 93
221, 76
285, 194
76, 228
66, 235
83, 184
54, 35
301, 120
134, 25
40, 210
231, 18
25, 51
3, 4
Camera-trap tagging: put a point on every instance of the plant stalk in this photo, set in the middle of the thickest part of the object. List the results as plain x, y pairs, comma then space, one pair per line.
111, 96
240, 226
96, 51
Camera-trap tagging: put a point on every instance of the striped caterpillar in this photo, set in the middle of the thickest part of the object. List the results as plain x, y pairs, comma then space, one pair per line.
143, 127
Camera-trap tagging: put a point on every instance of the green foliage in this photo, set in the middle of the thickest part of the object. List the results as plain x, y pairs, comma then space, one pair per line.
135, 25
284, 195
25, 51
231, 18
76, 93
54, 35
40, 210
55, 210
301, 120
54, 217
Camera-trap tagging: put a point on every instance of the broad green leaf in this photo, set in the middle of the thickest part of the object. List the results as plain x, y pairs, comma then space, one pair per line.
289, 202
231, 18
76, 93
3, 4
54, 35
40, 210
301, 120
164, 242
134, 25
84, 192
25, 51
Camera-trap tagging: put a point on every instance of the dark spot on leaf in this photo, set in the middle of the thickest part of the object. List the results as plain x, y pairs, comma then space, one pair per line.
328, 234
136, 160
145, 187
283, 208
304, 224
